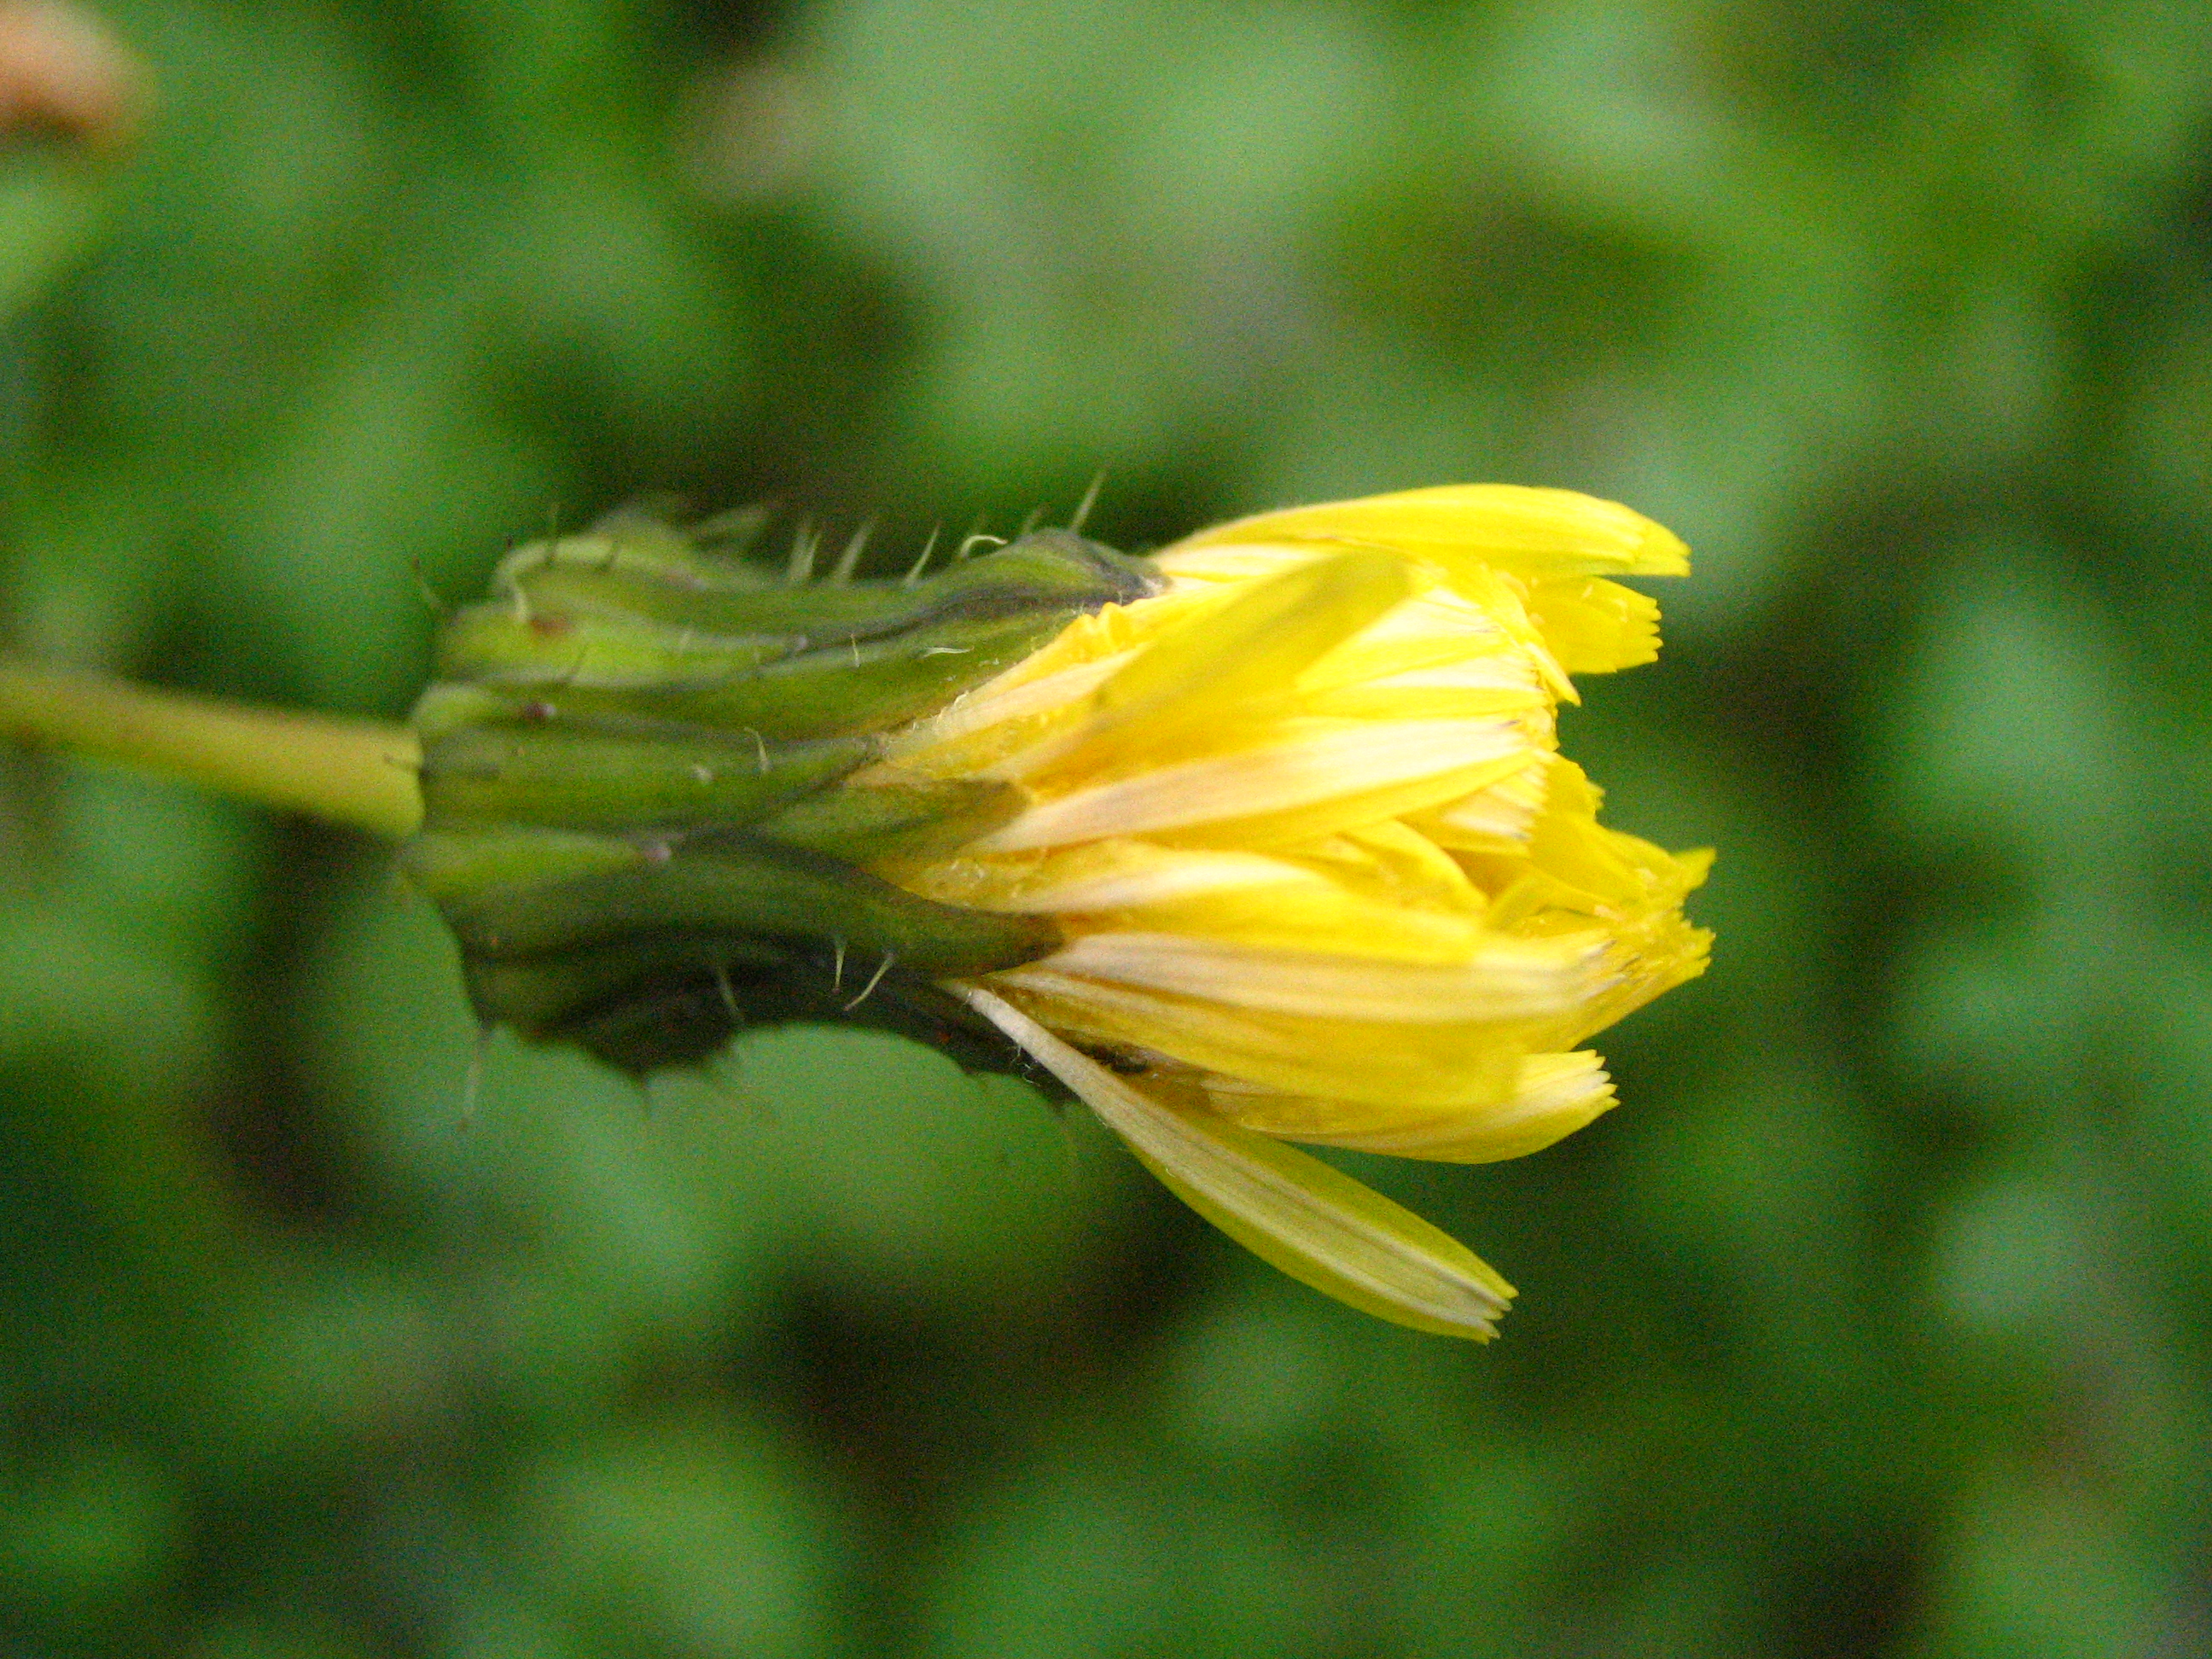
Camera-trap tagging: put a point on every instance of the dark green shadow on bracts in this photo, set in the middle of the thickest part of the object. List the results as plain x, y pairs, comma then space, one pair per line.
650, 771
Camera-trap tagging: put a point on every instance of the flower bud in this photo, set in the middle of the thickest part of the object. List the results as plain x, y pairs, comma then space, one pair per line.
1264, 839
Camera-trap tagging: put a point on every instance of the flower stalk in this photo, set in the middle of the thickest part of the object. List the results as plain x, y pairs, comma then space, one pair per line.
361, 774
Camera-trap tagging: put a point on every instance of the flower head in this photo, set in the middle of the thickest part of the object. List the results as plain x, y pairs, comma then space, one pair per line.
1263, 840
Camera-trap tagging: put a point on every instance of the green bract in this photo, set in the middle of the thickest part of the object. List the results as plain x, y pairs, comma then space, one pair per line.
650, 769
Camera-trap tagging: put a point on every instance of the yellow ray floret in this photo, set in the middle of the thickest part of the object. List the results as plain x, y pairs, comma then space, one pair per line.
1319, 871
1530, 532
1315, 1224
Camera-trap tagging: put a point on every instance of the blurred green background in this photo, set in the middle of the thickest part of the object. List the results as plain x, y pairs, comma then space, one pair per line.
1875, 1322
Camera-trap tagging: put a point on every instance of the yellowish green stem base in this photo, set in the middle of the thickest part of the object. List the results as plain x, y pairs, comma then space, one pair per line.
364, 774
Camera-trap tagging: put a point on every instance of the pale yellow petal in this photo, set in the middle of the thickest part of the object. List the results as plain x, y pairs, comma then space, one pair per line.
1436, 656
1661, 953
1437, 628
1312, 1221
1618, 874
1500, 816
1233, 661
1321, 778
1119, 874
1313, 916
1500, 978
1263, 638
1380, 892
1238, 562
1556, 1095
1111, 630
1593, 626
1393, 861
976, 732
1506, 598
1463, 691
1536, 533
1385, 1062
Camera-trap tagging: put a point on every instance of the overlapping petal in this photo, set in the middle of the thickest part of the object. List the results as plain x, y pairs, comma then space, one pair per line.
1321, 873
1314, 1222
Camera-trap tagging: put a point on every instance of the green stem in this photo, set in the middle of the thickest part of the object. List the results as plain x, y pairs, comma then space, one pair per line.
358, 773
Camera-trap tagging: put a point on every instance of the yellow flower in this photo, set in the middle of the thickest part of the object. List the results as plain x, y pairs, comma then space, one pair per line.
1264, 839
1320, 871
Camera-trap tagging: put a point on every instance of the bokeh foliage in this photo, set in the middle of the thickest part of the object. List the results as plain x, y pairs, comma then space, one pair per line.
1875, 1322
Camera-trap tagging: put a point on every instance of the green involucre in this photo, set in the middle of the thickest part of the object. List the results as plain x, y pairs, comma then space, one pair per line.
650, 769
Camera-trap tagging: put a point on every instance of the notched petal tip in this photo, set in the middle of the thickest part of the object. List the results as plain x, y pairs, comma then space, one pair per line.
1553, 1096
